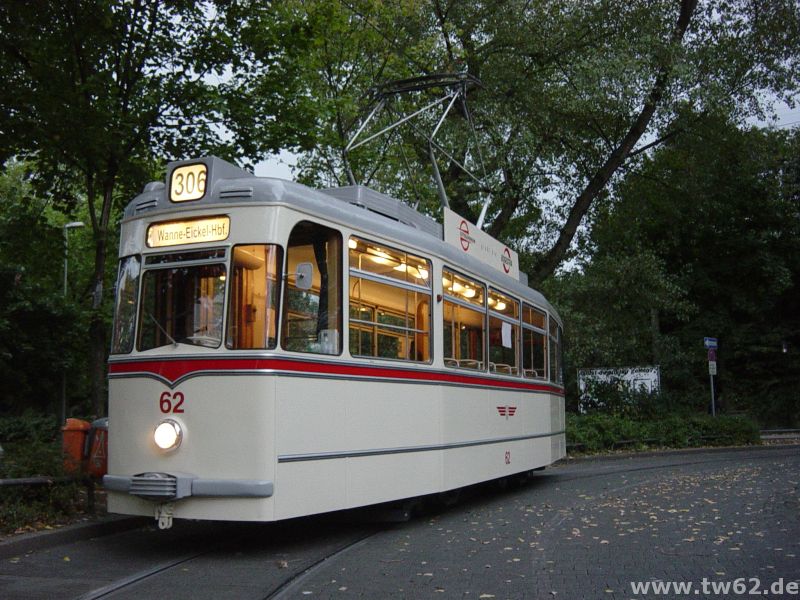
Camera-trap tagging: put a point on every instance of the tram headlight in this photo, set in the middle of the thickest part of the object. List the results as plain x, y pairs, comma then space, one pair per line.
168, 435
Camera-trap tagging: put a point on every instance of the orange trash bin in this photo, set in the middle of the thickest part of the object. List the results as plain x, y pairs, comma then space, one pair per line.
74, 444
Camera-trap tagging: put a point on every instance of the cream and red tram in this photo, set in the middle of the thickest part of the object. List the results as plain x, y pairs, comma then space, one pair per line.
281, 351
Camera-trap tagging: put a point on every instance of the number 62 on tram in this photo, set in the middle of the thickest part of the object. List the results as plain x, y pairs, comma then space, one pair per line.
281, 351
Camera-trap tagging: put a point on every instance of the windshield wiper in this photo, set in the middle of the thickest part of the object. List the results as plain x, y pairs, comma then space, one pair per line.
164, 331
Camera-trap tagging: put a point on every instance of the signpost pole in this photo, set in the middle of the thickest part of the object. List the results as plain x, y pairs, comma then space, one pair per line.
711, 345
713, 401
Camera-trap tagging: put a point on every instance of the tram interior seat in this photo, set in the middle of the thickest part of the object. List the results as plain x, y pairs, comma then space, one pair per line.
502, 368
464, 363
533, 373
470, 363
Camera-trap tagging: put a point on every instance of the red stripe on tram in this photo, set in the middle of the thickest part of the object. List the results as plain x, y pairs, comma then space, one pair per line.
173, 370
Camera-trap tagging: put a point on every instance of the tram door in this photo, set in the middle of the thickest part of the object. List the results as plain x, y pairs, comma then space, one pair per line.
312, 316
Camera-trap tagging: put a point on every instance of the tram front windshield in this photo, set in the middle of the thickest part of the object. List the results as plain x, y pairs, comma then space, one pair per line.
182, 305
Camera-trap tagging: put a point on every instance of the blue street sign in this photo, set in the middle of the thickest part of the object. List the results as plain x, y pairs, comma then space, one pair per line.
710, 342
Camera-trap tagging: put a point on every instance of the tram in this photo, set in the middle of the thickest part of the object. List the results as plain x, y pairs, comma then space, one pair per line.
281, 351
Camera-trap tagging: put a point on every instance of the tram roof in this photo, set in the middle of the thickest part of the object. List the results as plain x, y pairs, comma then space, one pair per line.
358, 207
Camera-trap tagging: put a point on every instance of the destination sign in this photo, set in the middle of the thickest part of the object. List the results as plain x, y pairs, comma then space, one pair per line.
196, 231
462, 234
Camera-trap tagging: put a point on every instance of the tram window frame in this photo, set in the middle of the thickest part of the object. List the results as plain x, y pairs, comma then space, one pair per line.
126, 305
532, 327
457, 300
555, 336
322, 245
499, 317
245, 319
159, 322
390, 271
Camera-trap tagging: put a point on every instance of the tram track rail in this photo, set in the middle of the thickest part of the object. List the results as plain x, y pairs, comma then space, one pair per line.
109, 590
284, 587
293, 584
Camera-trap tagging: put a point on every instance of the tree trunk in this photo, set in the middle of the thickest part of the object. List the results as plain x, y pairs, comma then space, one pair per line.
655, 329
98, 346
97, 329
97, 367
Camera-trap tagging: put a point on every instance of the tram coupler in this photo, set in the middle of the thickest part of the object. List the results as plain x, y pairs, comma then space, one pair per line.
164, 513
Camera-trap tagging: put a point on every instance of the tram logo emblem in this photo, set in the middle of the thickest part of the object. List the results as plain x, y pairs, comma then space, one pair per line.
506, 260
464, 236
507, 411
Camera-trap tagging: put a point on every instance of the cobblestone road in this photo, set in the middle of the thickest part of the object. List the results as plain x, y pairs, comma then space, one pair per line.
582, 529
590, 528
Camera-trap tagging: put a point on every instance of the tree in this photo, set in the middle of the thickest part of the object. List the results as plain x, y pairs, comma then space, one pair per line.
718, 210
92, 89
612, 307
573, 93
39, 326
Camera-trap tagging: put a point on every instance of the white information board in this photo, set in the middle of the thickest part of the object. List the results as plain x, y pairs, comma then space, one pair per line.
639, 379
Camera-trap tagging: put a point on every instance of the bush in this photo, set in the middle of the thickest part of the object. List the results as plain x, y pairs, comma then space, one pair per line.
615, 398
32, 448
29, 427
30, 506
598, 432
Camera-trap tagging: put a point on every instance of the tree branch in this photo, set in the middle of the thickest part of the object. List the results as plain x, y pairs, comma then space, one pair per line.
550, 261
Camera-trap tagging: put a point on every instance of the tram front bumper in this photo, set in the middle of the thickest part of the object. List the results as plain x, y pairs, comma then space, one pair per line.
165, 487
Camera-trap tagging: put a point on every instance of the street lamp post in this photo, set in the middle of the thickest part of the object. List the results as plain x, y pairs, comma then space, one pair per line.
67, 227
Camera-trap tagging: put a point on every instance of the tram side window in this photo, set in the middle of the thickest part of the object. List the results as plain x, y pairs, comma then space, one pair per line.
312, 318
503, 334
253, 297
534, 343
556, 369
127, 293
390, 302
464, 321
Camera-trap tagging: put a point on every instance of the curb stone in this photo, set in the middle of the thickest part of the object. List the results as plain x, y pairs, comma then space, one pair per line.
23, 544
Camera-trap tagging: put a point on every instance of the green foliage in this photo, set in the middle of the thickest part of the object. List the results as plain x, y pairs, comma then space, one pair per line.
22, 506
609, 305
32, 448
36, 506
563, 85
41, 329
32, 457
601, 432
702, 240
111, 84
619, 401
30, 427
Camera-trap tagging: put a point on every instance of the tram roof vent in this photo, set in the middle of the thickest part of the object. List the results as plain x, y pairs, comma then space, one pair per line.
148, 199
229, 193
387, 206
